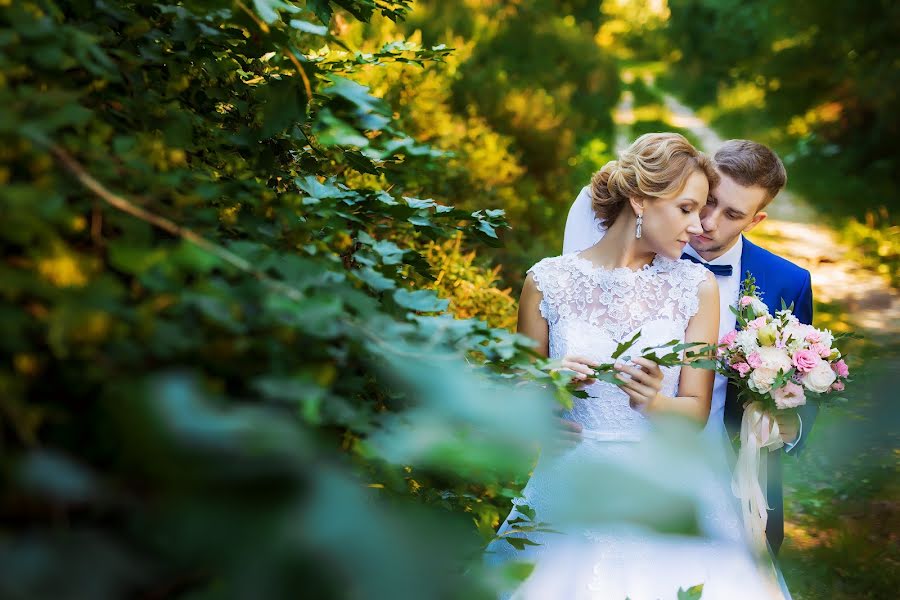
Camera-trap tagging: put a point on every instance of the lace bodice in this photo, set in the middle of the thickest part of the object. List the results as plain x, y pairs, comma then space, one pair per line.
590, 310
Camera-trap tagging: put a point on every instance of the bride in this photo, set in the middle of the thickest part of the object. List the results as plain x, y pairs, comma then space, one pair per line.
579, 307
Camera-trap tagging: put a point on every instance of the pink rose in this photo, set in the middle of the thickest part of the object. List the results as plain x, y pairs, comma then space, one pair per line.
755, 360
814, 337
757, 323
728, 338
746, 300
841, 368
805, 360
821, 349
790, 395
742, 368
838, 386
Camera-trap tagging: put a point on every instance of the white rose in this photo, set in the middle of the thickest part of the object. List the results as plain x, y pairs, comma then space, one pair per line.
761, 379
775, 359
827, 337
747, 342
820, 378
796, 332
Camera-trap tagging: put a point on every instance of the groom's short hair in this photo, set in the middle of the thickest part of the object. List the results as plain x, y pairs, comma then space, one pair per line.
752, 164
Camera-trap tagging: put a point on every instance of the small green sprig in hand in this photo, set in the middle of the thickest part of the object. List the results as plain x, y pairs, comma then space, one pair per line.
696, 354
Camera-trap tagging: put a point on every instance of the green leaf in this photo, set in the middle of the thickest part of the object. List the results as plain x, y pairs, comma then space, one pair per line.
360, 162
420, 300
284, 105
322, 8
487, 229
55, 476
332, 131
417, 203
375, 280
519, 543
692, 593
708, 364
357, 94
268, 9
517, 571
390, 253
621, 348
307, 27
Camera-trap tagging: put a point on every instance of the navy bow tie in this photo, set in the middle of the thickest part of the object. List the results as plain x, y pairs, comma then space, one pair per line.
717, 270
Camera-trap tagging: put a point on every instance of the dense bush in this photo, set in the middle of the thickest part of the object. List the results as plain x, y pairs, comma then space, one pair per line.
220, 342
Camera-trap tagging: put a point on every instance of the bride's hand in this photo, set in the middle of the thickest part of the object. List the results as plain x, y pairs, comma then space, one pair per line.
643, 382
582, 367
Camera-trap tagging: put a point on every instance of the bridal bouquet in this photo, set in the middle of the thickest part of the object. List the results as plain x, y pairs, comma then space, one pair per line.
778, 365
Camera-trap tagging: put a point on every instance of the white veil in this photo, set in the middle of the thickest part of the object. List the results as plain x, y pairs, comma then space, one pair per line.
583, 230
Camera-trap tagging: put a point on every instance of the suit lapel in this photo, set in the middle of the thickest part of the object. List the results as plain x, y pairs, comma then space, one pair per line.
749, 262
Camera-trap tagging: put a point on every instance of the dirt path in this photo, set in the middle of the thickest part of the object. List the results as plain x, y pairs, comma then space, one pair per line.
863, 298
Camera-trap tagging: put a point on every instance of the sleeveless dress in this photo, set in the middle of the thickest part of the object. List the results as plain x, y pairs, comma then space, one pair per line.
590, 310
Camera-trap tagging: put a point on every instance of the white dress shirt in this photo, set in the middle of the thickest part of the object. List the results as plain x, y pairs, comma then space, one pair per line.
729, 288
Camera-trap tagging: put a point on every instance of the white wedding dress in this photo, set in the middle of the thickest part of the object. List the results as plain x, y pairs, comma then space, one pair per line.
589, 311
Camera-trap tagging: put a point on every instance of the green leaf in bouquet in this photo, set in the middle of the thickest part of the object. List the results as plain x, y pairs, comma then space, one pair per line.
789, 307
782, 378
739, 316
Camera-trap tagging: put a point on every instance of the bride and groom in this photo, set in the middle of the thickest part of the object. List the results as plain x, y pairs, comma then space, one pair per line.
654, 245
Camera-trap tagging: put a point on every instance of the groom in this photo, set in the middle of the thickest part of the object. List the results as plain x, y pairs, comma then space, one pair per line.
751, 176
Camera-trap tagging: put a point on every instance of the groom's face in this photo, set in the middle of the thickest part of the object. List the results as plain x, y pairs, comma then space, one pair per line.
731, 209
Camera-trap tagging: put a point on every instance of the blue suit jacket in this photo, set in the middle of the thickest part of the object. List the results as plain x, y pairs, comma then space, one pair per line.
777, 279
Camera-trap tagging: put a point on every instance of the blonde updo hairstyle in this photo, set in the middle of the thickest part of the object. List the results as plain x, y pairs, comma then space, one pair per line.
655, 165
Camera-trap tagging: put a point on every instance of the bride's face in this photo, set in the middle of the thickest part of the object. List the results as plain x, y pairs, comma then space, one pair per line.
670, 221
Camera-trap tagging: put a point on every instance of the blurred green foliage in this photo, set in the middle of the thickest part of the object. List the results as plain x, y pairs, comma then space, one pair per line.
218, 302
532, 72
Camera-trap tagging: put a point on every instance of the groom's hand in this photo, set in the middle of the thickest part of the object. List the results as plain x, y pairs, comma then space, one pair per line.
788, 426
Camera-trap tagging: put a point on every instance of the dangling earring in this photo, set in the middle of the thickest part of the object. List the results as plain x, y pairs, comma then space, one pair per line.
637, 231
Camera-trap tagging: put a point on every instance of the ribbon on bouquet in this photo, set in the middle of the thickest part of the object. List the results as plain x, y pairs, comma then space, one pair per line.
759, 435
